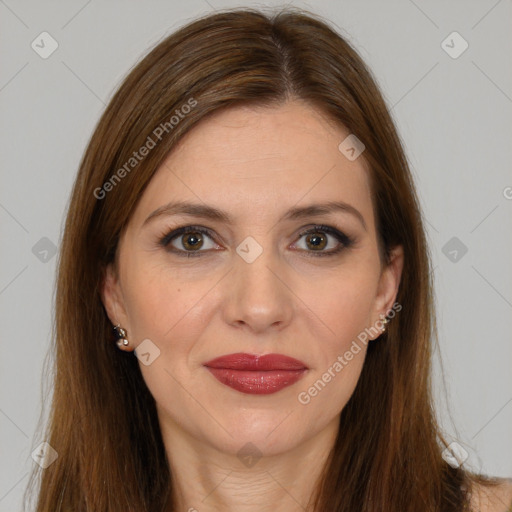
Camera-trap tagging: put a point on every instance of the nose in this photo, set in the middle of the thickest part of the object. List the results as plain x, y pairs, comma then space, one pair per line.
258, 297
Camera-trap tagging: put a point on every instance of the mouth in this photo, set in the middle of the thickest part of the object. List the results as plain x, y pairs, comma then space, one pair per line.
253, 374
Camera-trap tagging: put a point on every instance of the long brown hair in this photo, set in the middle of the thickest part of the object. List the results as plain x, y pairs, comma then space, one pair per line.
103, 422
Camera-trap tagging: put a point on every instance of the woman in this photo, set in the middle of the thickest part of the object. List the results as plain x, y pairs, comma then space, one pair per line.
245, 219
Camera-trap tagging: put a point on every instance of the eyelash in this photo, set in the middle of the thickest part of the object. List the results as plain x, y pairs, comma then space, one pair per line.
345, 240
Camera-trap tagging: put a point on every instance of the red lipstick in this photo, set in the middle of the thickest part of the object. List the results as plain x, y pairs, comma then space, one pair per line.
253, 374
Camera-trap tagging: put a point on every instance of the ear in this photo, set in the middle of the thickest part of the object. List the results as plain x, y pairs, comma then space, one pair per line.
112, 297
389, 283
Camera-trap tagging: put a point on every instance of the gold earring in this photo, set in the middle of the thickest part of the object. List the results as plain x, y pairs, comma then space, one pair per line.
121, 336
385, 321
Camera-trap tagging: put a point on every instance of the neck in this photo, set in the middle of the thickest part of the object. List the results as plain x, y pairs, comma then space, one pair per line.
207, 479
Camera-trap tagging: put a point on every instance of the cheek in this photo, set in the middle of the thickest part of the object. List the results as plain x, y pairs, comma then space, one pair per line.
344, 306
339, 355
173, 314
161, 306
344, 312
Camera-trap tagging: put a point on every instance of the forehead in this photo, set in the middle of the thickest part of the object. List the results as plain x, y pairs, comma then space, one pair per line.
261, 160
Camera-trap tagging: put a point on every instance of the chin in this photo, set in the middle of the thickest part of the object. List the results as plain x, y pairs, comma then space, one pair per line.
266, 431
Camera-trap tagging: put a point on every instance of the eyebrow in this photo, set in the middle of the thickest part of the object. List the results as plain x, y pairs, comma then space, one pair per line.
296, 213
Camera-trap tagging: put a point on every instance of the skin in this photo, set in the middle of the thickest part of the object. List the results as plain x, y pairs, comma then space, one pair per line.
493, 499
255, 164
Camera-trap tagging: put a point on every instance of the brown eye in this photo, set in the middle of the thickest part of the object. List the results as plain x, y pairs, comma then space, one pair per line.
323, 241
192, 241
316, 241
188, 241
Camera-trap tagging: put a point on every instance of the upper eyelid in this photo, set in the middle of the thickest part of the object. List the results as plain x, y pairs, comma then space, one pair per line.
183, 230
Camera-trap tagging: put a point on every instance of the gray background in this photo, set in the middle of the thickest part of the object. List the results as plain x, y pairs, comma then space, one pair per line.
453, 114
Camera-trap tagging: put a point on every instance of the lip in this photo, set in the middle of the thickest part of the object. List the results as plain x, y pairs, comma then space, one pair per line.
254, 374
251, 362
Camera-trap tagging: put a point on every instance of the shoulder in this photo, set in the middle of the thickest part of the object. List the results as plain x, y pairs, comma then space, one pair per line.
492, 498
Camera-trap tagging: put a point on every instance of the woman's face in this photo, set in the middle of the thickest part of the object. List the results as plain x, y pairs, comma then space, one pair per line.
246, 279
